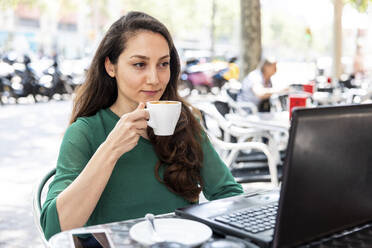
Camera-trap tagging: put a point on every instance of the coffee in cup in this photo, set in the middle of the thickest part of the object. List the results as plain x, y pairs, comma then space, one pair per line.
164, 116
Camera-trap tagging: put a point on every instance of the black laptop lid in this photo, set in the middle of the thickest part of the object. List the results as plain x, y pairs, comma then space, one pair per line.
327, 183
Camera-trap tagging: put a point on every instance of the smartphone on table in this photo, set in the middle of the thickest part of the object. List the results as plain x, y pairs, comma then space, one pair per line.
95, 238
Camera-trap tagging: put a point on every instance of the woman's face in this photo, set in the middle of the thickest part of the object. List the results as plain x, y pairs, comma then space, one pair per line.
143, 69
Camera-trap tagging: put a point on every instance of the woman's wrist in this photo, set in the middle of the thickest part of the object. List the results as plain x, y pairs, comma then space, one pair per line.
111, 154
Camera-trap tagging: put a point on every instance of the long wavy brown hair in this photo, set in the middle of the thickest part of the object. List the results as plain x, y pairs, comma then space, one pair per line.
180, 154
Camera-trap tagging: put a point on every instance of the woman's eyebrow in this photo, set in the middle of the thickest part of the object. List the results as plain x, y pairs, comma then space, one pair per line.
165, 56
147, 58
139, 56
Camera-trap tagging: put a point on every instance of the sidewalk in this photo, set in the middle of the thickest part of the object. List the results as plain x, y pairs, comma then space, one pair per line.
30, 136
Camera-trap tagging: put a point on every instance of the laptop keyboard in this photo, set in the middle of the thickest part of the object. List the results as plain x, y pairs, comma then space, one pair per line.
253, 220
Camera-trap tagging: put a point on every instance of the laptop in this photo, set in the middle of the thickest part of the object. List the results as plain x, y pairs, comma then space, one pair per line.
326, 191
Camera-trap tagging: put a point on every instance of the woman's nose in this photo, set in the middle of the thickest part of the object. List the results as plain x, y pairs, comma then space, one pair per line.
153, 77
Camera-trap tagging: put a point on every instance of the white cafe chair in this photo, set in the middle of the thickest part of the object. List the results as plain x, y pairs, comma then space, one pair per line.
229, 150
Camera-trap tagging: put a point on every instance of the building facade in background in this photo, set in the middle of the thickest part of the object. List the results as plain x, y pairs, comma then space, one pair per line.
44, 32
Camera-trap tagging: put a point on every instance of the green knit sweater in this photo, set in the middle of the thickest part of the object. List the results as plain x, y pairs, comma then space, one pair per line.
132, 190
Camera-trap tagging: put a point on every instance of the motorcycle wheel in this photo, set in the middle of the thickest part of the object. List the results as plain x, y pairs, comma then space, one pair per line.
185, 87
203, 89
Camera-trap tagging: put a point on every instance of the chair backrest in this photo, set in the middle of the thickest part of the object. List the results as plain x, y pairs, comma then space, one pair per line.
242, 108
37, 204
228, 150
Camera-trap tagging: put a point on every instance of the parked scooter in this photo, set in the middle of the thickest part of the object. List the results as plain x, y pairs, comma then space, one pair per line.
5, 85
226, 73
20, 80
54, 82
74, 72
201, 76
196, 76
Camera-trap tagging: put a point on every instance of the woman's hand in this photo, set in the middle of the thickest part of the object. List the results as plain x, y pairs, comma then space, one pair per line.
125, 135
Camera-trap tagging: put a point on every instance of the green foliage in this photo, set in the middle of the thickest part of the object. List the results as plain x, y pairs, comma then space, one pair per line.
360, 5
66, 5
227, 19
187, 20
5, 4
284, 36
191, 19
180, 16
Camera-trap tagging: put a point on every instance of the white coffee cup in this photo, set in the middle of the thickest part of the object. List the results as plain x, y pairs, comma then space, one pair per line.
164, 116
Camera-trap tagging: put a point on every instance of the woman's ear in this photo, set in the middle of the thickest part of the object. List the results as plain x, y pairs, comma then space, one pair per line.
110, 68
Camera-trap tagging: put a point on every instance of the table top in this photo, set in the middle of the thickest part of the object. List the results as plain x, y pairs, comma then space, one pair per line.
275, 121
118, 233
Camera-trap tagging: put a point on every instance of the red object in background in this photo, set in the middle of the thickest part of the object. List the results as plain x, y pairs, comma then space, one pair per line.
329, 80
309, 88
296, 101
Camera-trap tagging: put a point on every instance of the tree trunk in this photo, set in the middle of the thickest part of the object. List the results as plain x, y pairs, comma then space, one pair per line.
250, 34
213, 27
337, 40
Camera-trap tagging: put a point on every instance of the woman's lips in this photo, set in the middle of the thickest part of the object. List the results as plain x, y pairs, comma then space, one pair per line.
150, 92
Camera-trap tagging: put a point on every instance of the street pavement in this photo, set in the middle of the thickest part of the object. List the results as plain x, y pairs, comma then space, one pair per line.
30, 136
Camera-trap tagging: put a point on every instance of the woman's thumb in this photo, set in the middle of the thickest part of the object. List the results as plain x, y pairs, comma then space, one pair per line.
141, 105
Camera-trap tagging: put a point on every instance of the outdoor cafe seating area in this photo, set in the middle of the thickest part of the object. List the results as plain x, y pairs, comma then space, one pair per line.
252, 144
186, 124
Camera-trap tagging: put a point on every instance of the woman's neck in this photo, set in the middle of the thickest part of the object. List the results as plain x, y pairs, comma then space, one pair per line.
120, 107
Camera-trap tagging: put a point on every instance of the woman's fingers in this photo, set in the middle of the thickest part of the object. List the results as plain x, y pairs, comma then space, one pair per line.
139, 113
142, 132
140, 124
130, 127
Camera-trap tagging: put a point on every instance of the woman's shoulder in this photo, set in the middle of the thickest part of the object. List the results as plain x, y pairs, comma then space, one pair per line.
86, 124
91, 121
78, 129
83, 122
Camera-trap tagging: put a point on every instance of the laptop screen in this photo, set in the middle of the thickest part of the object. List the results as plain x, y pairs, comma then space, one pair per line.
327, 185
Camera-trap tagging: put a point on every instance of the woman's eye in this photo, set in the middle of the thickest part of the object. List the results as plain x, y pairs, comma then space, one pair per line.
139, 65
164, 64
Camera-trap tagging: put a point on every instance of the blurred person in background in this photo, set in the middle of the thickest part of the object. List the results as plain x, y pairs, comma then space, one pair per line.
257, 86
102, 174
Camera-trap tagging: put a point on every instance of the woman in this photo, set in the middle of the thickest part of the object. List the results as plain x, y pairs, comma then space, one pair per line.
111, 166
